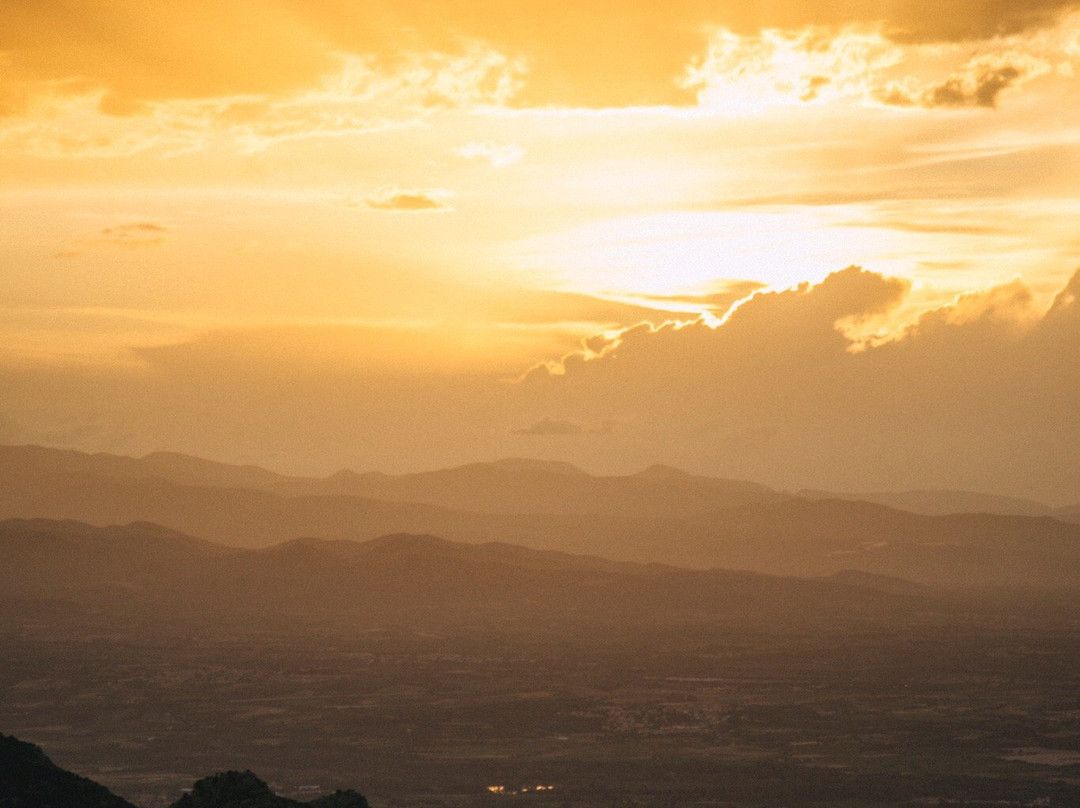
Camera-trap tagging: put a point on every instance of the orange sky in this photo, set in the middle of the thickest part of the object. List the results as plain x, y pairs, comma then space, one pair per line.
320, 234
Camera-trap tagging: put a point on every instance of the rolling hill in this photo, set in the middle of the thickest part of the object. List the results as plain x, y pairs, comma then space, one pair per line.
29, 779
705, 528
147, 574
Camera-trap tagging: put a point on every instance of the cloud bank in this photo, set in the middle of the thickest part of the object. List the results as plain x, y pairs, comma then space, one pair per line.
981, 394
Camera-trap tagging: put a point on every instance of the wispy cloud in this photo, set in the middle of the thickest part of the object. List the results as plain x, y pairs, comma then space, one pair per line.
747, 73
132, 235
498, 155
397, 200
549, 427
77, 119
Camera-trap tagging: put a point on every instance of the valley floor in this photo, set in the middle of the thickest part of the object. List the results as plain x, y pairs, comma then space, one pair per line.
964, 713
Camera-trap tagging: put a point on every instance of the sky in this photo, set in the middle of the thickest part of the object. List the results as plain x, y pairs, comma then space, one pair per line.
814, 245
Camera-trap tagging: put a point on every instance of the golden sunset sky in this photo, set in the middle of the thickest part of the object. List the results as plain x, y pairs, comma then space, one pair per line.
401, 234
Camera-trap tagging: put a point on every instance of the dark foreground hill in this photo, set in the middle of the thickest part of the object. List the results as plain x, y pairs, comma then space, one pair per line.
414, 582
28, 779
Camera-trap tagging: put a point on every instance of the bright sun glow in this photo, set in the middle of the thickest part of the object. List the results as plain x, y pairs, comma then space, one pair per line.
440, 193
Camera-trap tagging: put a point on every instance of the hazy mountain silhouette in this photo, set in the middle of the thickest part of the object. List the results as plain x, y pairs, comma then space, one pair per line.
771, 534
141, 572
941, 502
543, 487
28, 779
1070, 513
884, 583
172, 466
513, 485
822, 537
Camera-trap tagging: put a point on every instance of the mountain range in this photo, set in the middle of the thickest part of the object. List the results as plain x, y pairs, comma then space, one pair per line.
148, 575
661, 515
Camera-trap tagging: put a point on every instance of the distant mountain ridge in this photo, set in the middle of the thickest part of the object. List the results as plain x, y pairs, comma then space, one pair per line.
957, 550
133, 574
513, 485
29, 779
658, 515
944, 502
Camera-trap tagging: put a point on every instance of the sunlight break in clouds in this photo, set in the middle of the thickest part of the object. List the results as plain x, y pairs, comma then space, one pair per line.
745, 74
590, 171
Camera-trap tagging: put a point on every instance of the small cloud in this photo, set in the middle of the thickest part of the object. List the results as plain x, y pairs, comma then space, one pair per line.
121, 106
978, 85
134, 235
983, 91
396, 200
135, 227
549, 427
66, 254
498, 155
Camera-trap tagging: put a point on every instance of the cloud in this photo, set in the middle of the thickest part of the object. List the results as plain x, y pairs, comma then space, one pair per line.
69, 96
396, 200
981, 393
499, 156
133, 235
356, 95
717, 303
797, 321
135, 227
742, 74
978, 84
130, 235
607, 53
548, 427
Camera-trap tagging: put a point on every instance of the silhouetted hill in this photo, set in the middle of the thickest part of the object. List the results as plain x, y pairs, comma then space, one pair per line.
1069, 513
785, 536
172, 466
245, 790
513, 485
234, 515
941, 502
541, 487
884, 583
28, 779
823, 537
405, 581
